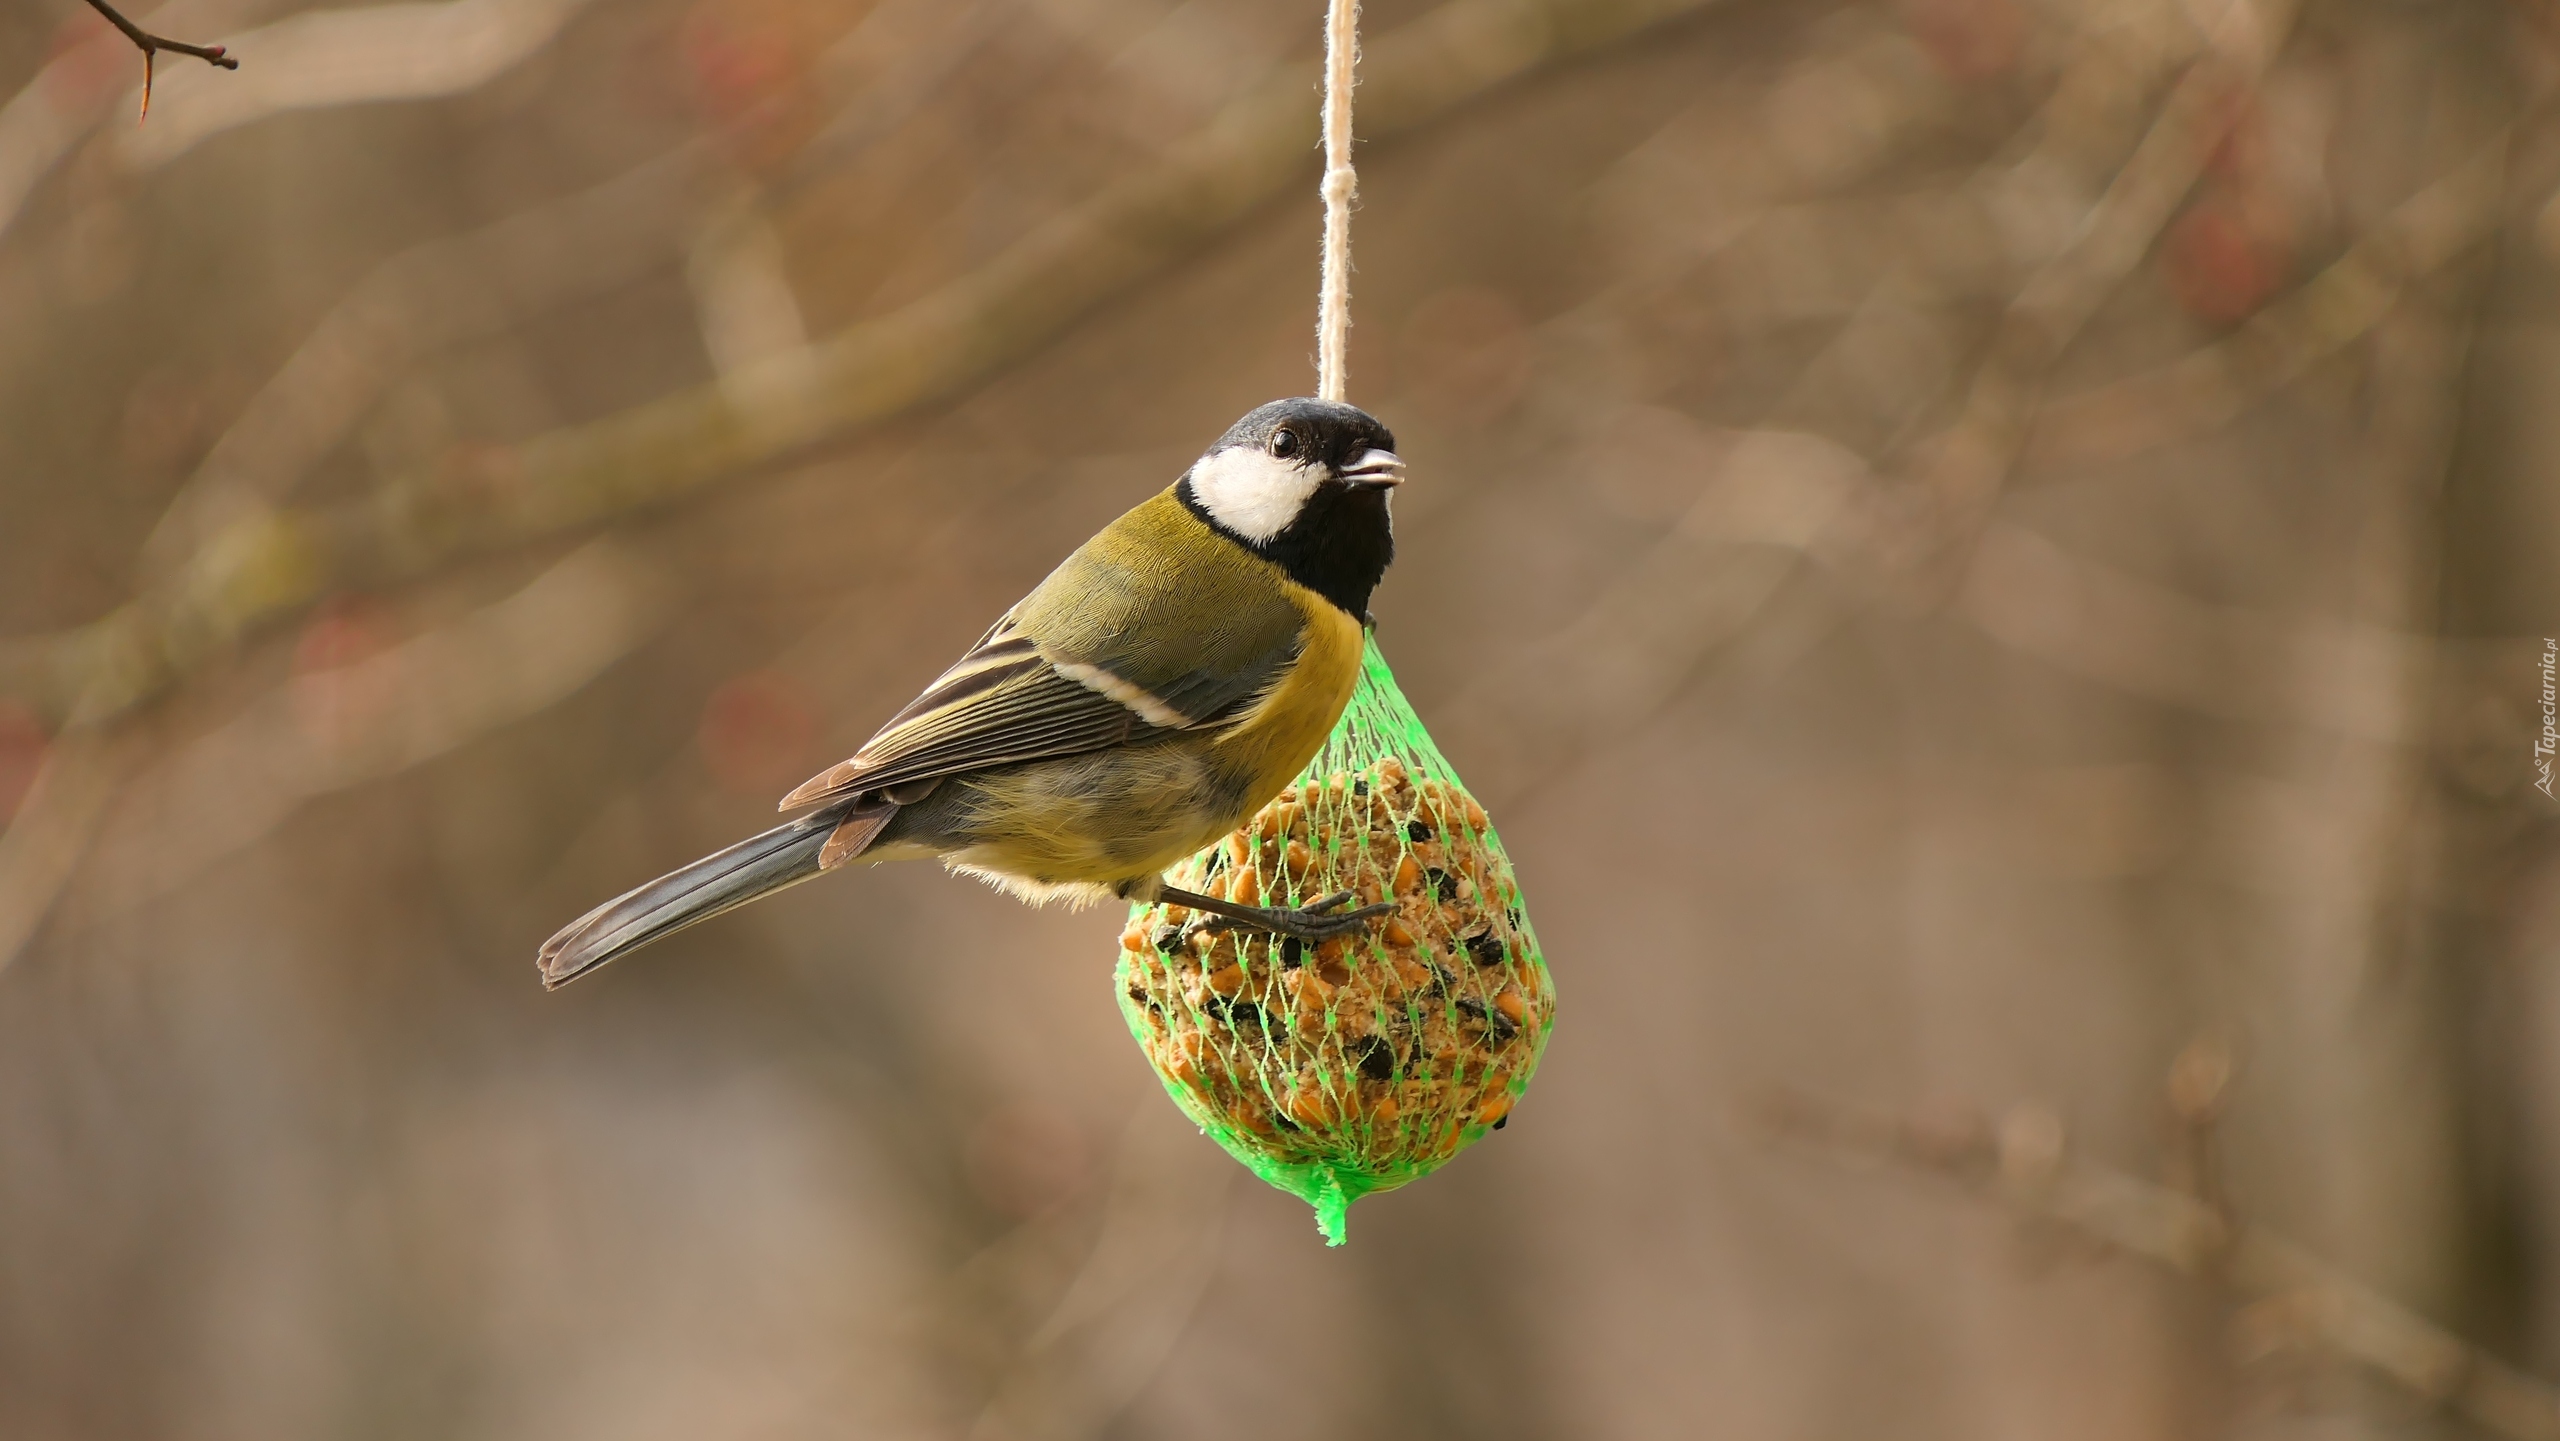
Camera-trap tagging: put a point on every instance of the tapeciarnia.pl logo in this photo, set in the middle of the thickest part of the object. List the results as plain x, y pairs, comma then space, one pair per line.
2549, 740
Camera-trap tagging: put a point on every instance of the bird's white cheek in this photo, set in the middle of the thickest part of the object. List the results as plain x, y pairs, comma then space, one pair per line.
1251, 493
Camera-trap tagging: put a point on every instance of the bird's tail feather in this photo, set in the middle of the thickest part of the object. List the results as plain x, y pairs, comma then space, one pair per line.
755, 867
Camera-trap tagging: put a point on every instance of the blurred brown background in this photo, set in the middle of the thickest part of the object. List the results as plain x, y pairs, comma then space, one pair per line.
1987, 554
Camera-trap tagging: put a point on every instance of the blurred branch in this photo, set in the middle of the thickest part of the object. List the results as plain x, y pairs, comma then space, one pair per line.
1639, 642
2223, 381
2024, 1164
1120, 1313
1969, 464
446, 292
2091, 619
151, 45
890, 76
330, 730
45, 840
266, 565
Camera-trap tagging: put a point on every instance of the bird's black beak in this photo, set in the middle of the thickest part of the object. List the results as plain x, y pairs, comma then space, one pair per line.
1375, 470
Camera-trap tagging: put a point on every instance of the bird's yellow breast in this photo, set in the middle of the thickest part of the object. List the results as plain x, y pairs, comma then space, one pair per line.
1274, 740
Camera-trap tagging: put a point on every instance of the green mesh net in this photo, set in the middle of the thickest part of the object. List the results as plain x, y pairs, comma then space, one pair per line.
1336, 1070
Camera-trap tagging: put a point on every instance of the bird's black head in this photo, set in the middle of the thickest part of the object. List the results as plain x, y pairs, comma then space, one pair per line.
1303, 484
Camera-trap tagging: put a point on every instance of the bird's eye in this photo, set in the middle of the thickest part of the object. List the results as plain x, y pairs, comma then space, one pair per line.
1284, 443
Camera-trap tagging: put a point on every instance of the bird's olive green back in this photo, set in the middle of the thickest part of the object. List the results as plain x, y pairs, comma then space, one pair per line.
1170, 606
1157, 603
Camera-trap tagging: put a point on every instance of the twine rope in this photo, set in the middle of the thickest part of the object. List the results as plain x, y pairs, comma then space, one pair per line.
1341, 185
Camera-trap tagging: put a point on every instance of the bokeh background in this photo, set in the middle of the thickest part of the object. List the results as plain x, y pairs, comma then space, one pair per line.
1989, 556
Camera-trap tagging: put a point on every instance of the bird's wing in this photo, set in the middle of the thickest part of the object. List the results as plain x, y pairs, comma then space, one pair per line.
1087, 661
1182, 624
1002, 702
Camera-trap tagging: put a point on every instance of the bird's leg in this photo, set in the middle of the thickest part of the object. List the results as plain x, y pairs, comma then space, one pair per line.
1317, 920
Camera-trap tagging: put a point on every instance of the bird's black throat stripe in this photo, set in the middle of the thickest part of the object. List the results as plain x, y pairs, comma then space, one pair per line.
1339, 546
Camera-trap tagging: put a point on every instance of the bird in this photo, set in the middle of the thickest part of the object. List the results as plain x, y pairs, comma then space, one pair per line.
1166, 681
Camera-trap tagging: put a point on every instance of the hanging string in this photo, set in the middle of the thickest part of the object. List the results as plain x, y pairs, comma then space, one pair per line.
1341, 185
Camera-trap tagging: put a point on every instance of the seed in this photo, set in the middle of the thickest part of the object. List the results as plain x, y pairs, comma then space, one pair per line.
1408, 875
1486, 947
1310, 1106
1311, 991
1180, 1057
1246, 889
1133, 939
1377, 1059
1395, 935
1360, 788
1229, 980
1293, 953
1335, 971
1386, 1108
1443, 885
1509, 1003
1417, 831
1166, 938
1502, 1026
1496, 1109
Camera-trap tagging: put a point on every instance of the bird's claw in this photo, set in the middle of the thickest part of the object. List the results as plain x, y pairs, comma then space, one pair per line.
1310, 921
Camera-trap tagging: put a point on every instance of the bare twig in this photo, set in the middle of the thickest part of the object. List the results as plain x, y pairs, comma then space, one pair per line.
2297, 1298
151, 45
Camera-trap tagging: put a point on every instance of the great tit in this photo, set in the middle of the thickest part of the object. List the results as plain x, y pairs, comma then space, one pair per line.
1160, 686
